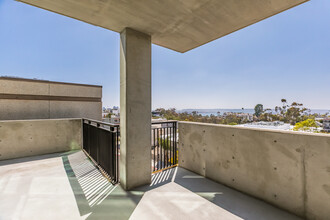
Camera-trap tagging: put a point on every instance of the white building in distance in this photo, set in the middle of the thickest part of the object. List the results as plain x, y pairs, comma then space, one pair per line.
278, 125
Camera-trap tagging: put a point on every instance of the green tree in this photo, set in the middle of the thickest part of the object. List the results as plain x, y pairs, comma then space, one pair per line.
291, 113
165, 144
306, 125
258, 109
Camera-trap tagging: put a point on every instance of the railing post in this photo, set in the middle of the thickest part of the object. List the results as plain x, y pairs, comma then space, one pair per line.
89, 137
117, 154
174, 142
98, 145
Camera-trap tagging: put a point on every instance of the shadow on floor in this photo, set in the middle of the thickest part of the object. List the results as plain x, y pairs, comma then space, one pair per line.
235, 202
95, 196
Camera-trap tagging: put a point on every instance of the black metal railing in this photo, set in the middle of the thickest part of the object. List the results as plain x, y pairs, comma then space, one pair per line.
164, 151
101, 144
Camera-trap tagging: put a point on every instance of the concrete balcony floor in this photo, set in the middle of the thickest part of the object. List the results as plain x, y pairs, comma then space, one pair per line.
68, 186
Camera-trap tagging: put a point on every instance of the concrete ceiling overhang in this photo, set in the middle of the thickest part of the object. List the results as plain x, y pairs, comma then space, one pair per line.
180, 25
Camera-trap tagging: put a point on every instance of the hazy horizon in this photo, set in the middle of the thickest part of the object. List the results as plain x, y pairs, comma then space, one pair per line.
216, 109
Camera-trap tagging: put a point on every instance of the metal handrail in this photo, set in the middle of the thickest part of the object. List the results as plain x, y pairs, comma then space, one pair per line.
164, 122
100, 122
117, 125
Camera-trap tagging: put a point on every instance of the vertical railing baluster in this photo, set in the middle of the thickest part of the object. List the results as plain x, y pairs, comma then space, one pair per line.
174, 145
117, 155
112, 153
163, 136
154, 148
161, 148
166, 145
169, 139
164, 152
158, 150
173, 133
171, 144
98, 145
89, 137
175, 141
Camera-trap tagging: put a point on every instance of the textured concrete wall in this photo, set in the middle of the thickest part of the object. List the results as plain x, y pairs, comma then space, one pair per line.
27, 99
35, 137
288, 169
35, 109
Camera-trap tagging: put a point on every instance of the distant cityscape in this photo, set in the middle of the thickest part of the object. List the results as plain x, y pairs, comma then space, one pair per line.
294, 117
111, 115
221, 111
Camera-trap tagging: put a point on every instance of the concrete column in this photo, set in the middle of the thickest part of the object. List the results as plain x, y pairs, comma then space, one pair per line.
135, 109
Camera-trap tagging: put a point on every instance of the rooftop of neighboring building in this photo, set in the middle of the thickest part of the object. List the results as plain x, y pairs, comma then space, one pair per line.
44, 81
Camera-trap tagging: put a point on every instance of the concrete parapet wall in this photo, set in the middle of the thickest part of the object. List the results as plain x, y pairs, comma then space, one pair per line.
36, 137
290, 170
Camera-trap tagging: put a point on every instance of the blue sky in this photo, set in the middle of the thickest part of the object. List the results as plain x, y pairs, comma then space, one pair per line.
285, 56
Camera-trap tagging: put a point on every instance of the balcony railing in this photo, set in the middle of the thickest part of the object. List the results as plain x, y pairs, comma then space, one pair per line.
164, 151
101, 143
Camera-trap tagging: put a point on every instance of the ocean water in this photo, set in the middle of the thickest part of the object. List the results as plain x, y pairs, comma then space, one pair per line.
205, 112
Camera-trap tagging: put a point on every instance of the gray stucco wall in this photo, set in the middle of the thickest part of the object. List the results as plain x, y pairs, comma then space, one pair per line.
22, 99
288, 169
36, 137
